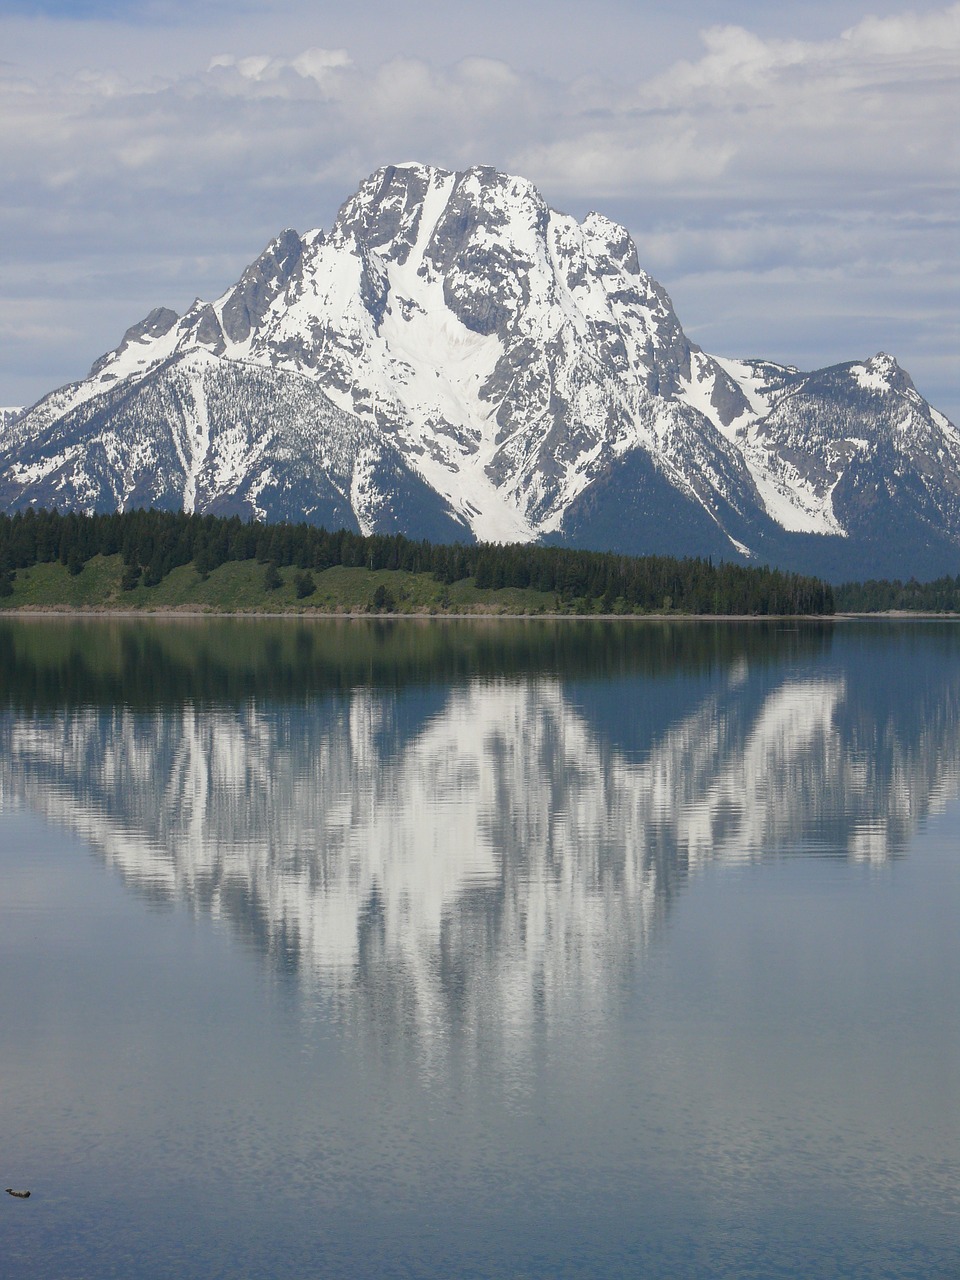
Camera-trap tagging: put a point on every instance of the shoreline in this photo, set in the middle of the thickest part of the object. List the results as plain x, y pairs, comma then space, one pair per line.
191, 613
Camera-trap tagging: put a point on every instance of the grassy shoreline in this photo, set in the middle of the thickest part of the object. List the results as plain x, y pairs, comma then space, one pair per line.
237, 589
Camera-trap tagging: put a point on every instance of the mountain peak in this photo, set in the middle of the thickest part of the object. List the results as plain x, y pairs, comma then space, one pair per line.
881, 373
454, 358
155, 325
261, 283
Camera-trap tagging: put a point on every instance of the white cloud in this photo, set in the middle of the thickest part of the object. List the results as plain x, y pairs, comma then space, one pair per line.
318, 65
749, 109
879, 97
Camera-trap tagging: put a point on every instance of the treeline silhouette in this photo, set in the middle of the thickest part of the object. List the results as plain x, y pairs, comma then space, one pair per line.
152, 543
879, 596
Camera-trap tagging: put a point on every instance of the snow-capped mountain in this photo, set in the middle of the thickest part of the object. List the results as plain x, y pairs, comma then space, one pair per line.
455, 360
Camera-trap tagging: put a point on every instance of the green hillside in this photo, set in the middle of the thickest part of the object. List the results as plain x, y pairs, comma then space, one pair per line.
239, 587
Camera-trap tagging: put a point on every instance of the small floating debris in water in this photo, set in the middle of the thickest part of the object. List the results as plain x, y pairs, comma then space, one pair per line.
21, 1195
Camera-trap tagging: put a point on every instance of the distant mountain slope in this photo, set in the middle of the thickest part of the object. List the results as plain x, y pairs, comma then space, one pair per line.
454, 359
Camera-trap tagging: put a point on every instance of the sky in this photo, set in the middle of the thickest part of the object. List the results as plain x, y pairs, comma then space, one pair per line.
789, 172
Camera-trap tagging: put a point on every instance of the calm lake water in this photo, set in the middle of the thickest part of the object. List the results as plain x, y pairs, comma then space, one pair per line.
440, 949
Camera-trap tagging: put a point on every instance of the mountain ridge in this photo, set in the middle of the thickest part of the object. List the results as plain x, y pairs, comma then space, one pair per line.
456, 360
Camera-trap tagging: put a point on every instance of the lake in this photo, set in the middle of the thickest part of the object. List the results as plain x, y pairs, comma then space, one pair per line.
479, 949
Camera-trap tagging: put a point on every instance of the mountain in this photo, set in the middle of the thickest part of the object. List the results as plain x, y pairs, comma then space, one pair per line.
455, 360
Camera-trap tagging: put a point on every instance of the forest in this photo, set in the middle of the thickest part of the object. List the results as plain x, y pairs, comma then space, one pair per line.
882, 596
154, 543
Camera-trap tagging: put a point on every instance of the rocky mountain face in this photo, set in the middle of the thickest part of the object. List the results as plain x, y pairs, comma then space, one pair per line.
455, 360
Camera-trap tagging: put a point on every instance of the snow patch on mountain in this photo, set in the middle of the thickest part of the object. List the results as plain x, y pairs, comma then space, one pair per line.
790, 498
878, 374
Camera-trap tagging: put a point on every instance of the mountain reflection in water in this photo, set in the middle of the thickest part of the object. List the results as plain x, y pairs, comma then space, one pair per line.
470, 825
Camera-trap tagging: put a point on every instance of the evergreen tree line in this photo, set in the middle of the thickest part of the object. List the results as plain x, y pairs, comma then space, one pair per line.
879, 595
152, 543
